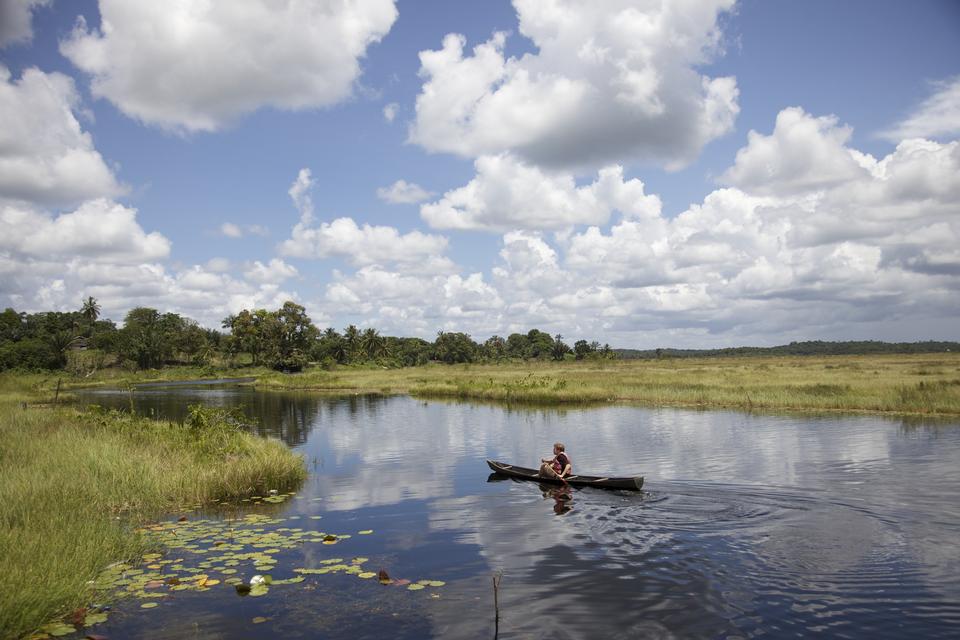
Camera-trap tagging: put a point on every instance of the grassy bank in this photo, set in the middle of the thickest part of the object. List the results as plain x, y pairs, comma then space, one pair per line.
75, 484
906, 384
926, 384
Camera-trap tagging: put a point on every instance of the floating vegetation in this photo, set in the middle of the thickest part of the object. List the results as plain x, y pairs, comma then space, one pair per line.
202, 554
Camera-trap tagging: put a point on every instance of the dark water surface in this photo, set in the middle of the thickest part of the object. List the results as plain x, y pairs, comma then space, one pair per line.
749, 525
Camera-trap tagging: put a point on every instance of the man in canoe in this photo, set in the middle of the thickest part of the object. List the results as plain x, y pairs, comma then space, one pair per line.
559, 466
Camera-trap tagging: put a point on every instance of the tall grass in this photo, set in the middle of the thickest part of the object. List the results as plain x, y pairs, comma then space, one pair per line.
76, 484
903, 384
888, 383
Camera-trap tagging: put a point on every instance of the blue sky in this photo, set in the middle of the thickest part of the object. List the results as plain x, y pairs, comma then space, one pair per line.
687, 174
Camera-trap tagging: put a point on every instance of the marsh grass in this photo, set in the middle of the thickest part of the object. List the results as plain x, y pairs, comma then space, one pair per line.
926, 384
75, 484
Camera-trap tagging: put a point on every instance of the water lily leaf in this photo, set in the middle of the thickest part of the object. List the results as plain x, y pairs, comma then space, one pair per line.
259, 620
359, 560
148, 605
366, 574
293, 580
228, 571
94, 618
259, 590
365, 532
435, 583
414, 587
58, 629
332, 561
154, 566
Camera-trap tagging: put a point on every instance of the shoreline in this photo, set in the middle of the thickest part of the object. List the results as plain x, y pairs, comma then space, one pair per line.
888, 384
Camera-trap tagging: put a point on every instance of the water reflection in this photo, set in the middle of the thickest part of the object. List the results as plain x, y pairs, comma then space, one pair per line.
750, 525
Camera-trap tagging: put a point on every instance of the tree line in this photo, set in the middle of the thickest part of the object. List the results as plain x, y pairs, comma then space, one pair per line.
284, 339
805, 348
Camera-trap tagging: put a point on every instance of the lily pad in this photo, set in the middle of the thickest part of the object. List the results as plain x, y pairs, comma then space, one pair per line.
259, 620
94, 618
58, 629
365, 532
148, 605
415, 586
259, 590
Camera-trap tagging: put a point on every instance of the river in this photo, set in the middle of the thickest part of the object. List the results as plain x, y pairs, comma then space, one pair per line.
749, 525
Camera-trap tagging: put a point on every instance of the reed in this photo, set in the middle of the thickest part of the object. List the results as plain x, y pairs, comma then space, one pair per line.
76, 484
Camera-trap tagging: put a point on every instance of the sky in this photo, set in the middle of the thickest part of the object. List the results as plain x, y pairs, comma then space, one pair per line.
644, 173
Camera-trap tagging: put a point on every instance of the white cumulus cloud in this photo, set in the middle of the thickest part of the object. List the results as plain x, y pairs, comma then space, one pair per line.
390, 111
403, 192
197, 66
275, 272
99, 230
609, 82
364, 244
45, 155
359, 244
803, 153
510, 194
15, 17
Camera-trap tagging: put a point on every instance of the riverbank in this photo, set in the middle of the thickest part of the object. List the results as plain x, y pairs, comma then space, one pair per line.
75, 485
924, 384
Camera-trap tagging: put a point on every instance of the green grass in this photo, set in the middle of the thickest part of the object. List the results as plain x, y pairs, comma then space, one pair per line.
927, 384
76, 484
902, 384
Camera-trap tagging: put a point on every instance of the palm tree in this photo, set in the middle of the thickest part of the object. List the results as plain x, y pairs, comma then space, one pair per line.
351, 336
90, 309
558, 349
373, 344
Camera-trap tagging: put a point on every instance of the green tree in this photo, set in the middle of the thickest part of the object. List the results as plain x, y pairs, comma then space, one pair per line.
581, 349
518, 345
540, 344
90, 310
558, 350
290, 335
145, 337
454, 347
494, 348
351, 336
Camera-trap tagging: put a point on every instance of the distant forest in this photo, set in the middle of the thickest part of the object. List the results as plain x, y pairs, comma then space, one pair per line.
809, 348
287, 340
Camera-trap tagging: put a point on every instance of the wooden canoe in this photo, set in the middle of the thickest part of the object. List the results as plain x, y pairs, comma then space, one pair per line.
634, 483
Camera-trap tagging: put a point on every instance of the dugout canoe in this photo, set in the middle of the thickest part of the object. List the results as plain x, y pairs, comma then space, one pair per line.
634, 483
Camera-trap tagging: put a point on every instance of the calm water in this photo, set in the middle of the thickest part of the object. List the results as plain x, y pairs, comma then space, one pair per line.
749, 525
